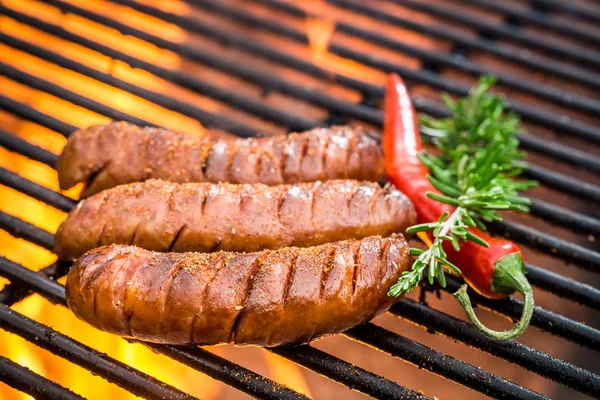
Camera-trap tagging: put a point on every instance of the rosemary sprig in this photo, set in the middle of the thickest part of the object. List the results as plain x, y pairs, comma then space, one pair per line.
475, 170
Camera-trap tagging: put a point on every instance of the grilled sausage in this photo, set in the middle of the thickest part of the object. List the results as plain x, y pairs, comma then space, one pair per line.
165, 216
104, 156
273, 297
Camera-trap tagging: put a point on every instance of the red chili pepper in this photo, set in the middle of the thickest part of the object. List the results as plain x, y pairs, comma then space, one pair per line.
496, 271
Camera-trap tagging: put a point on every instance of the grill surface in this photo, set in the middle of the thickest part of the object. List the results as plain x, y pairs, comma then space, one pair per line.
287, 90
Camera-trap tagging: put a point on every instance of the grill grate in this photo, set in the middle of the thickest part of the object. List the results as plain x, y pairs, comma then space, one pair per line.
579, 107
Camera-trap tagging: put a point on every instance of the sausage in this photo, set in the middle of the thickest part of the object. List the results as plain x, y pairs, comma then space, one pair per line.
165, 216
267, 298
104, 156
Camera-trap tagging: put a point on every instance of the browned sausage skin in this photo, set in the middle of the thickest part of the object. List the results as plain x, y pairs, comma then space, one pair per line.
165, 216
268, 298
104, 156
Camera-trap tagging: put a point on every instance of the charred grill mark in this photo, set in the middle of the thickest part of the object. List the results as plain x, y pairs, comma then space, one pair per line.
352, 146
356, 265
346, 154
374, 199
326, 270
382, 243
232, 150
303, 152
290, 277
281, 201
145, 145
174, 241
216, 246
313, 194
94, 175
259, 157
166, 289
203, 202
219, 261
349, 199
134, 234
192, 329
249, 286
206, 158
101, 235
324, 169
125, 316
284, 156
98, 273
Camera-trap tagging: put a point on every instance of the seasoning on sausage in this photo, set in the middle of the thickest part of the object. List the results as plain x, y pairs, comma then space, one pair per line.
268, 298
165, 216
104, 156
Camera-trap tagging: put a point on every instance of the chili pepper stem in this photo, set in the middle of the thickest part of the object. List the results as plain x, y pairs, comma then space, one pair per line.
509, 275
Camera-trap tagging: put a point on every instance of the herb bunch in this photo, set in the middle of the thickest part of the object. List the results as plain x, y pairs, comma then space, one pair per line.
474, 172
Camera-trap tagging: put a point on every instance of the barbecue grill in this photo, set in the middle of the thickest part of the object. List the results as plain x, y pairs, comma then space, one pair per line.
250, 67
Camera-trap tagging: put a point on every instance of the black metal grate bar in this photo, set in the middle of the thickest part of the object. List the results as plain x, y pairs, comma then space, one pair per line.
537, 18
563, 182
22, 111
564, 217
554, 247
38, 192
589, 335
27, 381
538, 89
553, 94
549, 119
13, 293
533, 360
438, 363
560, 152
567, 288
574, 53
72, 97
204, 117
567, 7
14, 143
345, 373
521, 57
24, 230
528, 142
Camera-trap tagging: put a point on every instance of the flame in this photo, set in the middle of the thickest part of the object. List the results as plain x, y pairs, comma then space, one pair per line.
287, 373
320, 32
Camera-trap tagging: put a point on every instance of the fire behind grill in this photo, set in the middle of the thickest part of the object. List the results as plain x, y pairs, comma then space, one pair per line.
243, 67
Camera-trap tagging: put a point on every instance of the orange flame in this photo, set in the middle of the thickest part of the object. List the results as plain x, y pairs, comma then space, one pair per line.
320, 31
287, 373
